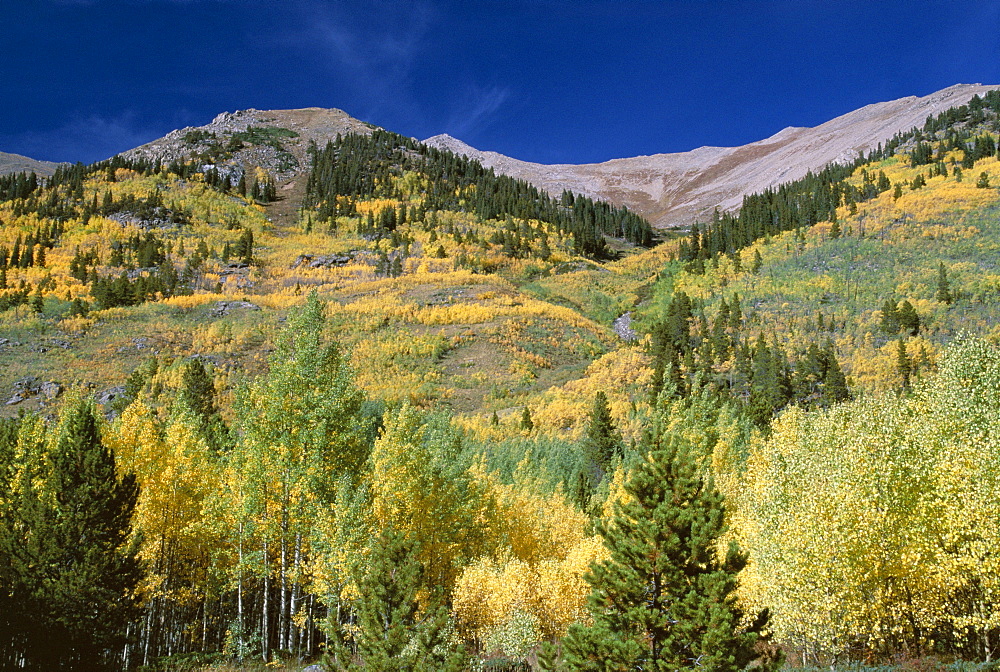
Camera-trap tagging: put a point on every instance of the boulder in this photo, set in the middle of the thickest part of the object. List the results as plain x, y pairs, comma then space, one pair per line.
110, 394
50, 390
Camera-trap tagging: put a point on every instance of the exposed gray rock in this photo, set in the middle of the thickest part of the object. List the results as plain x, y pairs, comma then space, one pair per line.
29, 384
110, 394
326, 260
623, 327
50, 390
226, 307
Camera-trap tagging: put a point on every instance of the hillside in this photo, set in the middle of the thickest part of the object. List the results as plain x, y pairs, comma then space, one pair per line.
15, 163
137, 257
322, 361
677, 189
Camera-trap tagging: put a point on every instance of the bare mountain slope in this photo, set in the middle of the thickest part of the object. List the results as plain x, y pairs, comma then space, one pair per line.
277, 140
15, 163
675, 189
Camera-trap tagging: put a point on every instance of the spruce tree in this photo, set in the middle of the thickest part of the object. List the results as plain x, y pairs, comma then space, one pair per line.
943, 285
67, 536
526, 422
665, 599
903, 364
603, 442
393, 633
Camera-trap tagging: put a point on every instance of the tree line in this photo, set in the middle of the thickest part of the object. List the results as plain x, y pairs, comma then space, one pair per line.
364, 166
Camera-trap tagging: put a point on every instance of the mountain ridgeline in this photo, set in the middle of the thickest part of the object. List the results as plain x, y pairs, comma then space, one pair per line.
816, 197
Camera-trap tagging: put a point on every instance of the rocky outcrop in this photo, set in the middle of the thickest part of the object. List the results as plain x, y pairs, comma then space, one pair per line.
31, 387
328, 260
223, 308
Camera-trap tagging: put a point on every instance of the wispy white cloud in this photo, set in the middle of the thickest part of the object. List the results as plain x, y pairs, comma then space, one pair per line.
83, 138
379, 54
475, 111
372, 47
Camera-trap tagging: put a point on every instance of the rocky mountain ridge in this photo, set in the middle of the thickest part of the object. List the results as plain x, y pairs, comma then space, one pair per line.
679, 188
15, 163
671, 190
276, 140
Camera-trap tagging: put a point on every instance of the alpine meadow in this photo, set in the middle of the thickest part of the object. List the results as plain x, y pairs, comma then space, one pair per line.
290, 389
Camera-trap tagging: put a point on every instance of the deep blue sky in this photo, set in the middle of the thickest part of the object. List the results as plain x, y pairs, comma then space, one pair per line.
549, 81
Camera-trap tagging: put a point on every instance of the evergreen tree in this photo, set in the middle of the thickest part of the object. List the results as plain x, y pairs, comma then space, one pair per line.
943, 286
526, 422
197, 393
834, 382
665, 598
392, 632
603, 443
908, 318
67, 532
903, 364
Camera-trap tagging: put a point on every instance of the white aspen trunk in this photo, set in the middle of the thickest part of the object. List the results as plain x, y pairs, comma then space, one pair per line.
264, 632
241, 624
283, 607
296, 591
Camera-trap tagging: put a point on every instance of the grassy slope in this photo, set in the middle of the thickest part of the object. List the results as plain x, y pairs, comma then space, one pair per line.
890, 249
437, 335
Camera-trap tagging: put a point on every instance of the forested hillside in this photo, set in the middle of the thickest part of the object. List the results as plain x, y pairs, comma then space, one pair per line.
377, 415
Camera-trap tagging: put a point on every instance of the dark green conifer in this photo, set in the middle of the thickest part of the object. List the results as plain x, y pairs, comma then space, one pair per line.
665, 598
943, 285
526, 422
67, 539
834, 382
903, 364
603, 442
392, 633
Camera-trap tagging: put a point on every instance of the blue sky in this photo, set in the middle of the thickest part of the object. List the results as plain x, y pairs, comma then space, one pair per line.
540, 80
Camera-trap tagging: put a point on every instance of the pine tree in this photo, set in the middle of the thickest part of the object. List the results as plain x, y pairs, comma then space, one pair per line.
197, 393
834, 382
903, 364
603, 443
69, 547
393, 634
943, 285
665, 599
526, 423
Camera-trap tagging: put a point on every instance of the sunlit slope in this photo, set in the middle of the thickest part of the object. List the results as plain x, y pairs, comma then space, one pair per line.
130, 261
930, 240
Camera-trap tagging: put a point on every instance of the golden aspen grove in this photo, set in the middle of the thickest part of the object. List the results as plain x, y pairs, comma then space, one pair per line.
363, 406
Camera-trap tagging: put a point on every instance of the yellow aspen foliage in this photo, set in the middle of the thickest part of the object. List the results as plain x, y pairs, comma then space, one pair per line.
176, 475
875, 523
541, 553
490, 593
418, 490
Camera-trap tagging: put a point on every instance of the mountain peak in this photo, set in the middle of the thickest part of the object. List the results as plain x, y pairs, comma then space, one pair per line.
277, 140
